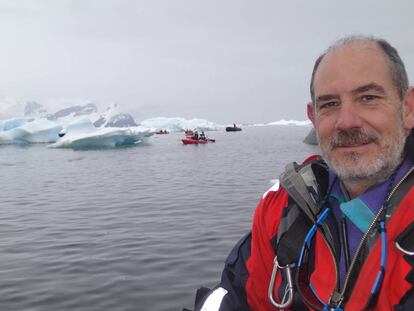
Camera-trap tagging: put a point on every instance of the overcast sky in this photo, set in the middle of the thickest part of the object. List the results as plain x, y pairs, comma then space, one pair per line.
221, 60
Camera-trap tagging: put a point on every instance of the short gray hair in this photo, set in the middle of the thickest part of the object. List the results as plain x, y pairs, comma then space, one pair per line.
399, 74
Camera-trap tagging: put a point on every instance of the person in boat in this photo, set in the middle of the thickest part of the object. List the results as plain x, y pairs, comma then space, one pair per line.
234, 125
202, 136
337, 231
195, 135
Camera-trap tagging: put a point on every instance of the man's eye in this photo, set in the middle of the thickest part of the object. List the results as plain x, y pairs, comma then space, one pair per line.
328, 105
367, 98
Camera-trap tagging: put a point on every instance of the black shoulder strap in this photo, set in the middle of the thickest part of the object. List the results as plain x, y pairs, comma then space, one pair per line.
306, 185
293, 229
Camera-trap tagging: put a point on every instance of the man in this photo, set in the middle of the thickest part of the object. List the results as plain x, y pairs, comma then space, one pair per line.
195, 135
338, 232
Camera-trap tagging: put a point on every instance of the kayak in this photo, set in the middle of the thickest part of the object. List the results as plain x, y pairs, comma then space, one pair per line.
161, 132
190, 141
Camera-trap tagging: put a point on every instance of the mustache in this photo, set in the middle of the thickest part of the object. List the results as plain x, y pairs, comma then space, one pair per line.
352, 137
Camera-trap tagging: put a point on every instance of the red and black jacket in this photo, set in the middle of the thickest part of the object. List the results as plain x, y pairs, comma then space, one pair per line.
245, 279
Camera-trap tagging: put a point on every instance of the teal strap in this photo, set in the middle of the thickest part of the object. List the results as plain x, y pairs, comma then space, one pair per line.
359, 213
339, 198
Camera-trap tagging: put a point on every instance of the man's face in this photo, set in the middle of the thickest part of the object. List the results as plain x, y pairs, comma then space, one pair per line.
358, 114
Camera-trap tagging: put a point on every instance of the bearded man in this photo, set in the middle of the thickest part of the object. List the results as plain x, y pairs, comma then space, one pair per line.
337, 231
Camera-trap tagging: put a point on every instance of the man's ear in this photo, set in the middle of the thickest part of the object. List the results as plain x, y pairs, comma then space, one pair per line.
409, 108
310, 111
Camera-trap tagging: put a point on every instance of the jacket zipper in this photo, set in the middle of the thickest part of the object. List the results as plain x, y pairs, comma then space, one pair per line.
339, 298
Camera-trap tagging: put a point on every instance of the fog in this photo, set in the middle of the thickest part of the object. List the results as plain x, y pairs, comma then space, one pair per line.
224, 61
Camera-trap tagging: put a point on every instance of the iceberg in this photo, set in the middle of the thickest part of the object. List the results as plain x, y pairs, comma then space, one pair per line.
291, 122
35, 131
82, 126
12, 123
82, 134
180, 124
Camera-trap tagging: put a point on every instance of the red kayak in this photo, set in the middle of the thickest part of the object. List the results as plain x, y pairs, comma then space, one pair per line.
189, 141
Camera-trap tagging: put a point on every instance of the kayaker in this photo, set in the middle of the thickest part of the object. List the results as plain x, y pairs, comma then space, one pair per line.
337, 232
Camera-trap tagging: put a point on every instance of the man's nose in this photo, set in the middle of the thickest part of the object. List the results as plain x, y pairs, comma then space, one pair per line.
349, 116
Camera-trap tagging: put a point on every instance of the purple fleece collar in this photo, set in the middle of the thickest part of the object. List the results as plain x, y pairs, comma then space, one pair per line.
373, 198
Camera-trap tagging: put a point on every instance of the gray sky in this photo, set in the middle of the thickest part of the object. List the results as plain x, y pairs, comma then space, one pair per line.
224, 61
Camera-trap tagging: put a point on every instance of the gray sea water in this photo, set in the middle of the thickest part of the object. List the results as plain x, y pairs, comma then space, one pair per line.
137, 228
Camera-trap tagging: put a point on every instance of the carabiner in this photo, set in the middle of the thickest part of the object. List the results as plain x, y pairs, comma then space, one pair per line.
288, 295
399, 247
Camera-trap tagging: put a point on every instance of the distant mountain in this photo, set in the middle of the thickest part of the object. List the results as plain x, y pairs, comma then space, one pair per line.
100, 122
75, 111
34, 109
111, 117
121, 120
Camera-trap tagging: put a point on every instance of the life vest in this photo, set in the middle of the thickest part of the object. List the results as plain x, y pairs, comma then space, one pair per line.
281, 223
288, 214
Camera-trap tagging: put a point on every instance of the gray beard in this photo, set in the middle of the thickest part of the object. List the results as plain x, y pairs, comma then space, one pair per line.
376, 171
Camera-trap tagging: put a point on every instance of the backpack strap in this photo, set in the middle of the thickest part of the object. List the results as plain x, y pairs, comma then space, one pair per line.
293, 228
307, 186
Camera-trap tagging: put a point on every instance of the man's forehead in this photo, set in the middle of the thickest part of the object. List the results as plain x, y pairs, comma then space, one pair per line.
352, 63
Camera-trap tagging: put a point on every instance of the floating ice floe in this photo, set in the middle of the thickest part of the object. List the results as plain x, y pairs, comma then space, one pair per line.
83, 134
291, 122
6, 125
180, 124
24, 131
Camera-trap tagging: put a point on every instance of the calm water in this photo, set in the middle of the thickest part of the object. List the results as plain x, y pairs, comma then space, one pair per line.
131, 229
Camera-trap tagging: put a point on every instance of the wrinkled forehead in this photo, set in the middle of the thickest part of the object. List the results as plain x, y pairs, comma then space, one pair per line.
351, 65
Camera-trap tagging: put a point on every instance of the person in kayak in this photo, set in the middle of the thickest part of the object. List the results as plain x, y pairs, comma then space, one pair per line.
195, 135
337, 231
